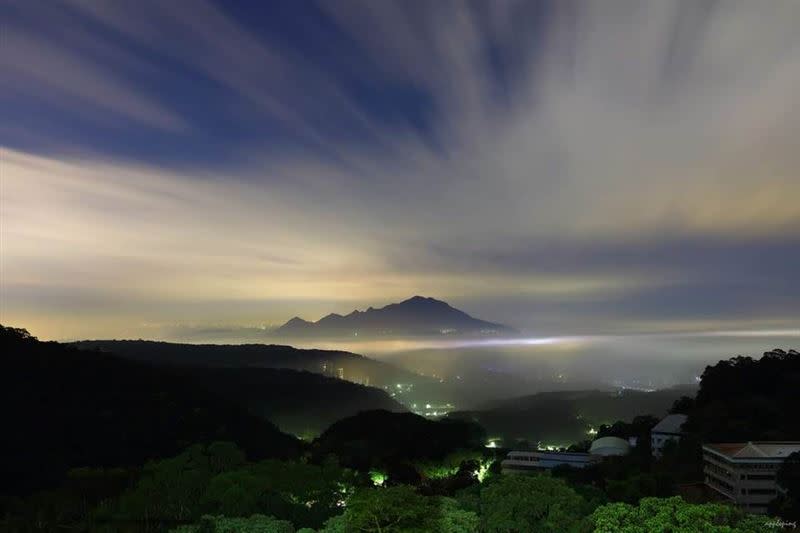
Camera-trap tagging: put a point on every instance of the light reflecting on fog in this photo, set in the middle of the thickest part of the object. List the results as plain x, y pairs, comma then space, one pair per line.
525, 364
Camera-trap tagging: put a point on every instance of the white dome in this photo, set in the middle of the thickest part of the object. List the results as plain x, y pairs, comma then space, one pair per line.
610, 446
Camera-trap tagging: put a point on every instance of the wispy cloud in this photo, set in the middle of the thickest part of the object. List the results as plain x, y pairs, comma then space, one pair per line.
37, 67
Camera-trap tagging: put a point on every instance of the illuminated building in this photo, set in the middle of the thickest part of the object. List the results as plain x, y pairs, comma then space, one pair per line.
669, 429
744, 472
608, 446
521, 462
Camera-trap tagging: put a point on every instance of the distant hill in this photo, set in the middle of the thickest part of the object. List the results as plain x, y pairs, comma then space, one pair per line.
379, 438
298, 402
413, 317
332, 363
564, 417
67, 408
289, 387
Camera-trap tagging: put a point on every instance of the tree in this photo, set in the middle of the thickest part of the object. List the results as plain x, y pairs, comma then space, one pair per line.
530, 503
454, 519
746, 399
632, 488
254, 524
682, 405
378, 439
386, 510
403, 474
174, 488
335, 524
305, 494
787, 505
146, 412
664, 515
215, 480
581, 446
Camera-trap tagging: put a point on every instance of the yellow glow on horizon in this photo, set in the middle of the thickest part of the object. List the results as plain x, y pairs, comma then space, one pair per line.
97, 248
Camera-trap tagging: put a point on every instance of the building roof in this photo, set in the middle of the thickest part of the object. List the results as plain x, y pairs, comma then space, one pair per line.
610, 446
546, 453
670, 424
756, 450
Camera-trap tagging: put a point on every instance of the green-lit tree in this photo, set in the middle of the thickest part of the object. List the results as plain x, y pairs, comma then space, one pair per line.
666, 515
386, 510
531, 503
455, 519
401, 509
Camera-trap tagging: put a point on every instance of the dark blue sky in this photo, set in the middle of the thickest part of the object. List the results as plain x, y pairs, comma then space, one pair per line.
560, 166
322, 84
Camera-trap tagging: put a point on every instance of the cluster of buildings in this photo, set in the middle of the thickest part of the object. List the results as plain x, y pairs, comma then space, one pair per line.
743, 474
542, 460
331, 371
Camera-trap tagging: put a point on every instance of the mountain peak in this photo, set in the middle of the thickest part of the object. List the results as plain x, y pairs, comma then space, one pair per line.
422, 300
418, 298
418, 315
295, 324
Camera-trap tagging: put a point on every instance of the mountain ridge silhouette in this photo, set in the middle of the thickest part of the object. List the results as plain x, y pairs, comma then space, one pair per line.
418, 315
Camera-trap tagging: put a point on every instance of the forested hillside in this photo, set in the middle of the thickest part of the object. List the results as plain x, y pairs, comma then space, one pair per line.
66, 408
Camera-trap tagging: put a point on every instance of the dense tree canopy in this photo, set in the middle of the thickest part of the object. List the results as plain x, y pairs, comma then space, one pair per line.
252, 524
217, 480
746, 399
531, 503
667, 515
401, 509
390, 510
377, 439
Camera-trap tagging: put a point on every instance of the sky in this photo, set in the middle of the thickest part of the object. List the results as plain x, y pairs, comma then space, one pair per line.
564, 167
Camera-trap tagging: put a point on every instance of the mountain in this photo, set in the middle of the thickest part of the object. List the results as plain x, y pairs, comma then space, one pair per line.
297, 402
333, 363
68, 408
292, 388
416, 316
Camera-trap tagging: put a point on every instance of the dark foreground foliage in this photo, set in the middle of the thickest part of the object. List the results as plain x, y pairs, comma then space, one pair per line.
68, 408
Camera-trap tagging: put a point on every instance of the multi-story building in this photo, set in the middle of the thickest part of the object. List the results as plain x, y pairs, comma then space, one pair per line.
669, 429
744, 472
